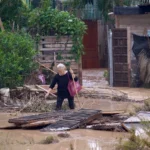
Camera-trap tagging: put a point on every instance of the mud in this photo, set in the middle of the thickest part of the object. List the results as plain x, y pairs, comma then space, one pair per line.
78, 139
94, 77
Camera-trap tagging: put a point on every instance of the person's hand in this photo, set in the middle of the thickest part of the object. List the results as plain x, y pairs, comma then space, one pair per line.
73, 76
72, 73
48, 92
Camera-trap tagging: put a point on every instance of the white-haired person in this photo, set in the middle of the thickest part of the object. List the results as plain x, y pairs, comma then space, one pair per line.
62, 79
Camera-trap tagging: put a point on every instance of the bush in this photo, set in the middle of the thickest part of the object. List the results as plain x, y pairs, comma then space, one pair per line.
134, 143
16, 58
49, 140
54, 22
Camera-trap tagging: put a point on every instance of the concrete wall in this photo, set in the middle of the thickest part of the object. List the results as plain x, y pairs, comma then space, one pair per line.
137, 24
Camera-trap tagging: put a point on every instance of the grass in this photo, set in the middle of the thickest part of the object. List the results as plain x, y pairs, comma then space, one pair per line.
71, 146
145, 107
137, 142
63, 135
134, 143
49, 140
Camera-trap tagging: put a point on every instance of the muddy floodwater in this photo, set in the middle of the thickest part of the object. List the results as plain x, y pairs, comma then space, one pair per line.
80, 139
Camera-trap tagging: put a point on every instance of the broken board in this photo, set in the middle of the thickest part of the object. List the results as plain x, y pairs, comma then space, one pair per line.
74, 120
137, 122
55, 115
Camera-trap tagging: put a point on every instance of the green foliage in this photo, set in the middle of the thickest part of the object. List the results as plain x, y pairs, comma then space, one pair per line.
145, 107
16, 58
54, 22
106, 74
104, 6
49, 140
134, 143
14, 14
45, 4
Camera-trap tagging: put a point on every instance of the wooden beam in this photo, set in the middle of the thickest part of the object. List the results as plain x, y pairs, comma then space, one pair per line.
1, 25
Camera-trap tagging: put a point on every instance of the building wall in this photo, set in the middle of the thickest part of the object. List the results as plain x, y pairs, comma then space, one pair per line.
137, 24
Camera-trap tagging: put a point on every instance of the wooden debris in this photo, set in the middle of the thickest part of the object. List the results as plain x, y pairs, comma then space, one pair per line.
40, 117
107, 127
112, 112
40, 87
59, 120
12, 127
74, 120
36, 124
137, 123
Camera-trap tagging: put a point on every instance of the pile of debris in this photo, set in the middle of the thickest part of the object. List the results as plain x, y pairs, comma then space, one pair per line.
27, 98
67, 120
84, 118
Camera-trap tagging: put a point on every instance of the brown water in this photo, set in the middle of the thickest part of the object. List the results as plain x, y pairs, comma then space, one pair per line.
81, 139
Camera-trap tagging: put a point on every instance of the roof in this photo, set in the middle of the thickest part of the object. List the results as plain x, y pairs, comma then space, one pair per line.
126, 10
141, 9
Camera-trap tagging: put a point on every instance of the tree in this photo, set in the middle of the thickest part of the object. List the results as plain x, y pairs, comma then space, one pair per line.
13, 13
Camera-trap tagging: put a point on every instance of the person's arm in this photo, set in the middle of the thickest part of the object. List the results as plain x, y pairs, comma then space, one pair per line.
72, 75
54, 81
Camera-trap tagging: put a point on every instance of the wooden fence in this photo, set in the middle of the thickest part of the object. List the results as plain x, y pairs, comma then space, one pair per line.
53, 50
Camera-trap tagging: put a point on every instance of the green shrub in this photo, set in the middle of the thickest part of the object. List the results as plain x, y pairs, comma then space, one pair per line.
54, 22
49, 140
145, 107
16, 58
135, 142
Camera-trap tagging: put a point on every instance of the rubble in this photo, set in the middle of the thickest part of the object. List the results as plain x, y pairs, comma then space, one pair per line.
138, 123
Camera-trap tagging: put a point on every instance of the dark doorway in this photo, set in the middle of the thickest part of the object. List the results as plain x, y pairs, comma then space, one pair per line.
90, 41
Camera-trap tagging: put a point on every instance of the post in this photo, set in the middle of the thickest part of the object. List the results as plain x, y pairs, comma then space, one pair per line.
129, 54
80, 70
110, 56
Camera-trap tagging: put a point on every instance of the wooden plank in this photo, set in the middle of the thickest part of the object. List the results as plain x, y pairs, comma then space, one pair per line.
107, 127
112, 112
57, 44
55, 49
74, 120
54, 38
36, 124
58, 61
44, 116
57, 52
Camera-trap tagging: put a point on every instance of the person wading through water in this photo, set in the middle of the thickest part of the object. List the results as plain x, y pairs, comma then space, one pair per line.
62, 80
